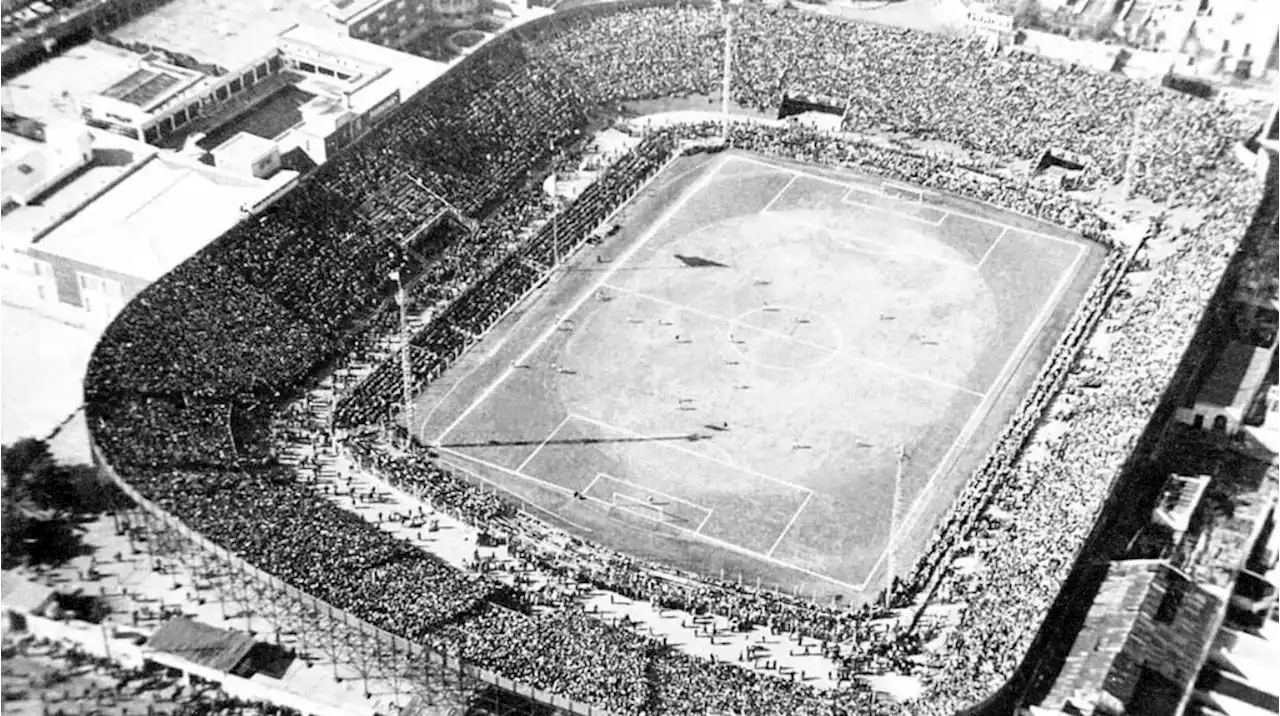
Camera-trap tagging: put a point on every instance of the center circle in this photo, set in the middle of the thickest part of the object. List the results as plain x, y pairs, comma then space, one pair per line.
784, 337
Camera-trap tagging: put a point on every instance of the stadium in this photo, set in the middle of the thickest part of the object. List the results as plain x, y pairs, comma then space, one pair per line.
785, 375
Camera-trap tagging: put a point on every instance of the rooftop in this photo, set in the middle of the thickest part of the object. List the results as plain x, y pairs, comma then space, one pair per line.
15, 148
410, 72
201, 644
243, 148
157, 217
53, 88
113, 157
1142, 644
1235, 505
230, 33
22, 594
1236, 377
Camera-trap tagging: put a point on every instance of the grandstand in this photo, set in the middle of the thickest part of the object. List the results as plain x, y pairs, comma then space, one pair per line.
293, 309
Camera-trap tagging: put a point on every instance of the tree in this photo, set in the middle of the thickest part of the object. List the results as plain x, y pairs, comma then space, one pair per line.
39, 503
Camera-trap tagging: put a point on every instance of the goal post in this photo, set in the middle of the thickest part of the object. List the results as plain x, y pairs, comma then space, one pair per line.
641, 507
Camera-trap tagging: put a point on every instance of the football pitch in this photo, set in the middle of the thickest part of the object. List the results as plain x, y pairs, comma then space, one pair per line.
774, 372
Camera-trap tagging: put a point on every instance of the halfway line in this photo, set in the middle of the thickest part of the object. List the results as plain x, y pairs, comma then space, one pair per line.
799, 341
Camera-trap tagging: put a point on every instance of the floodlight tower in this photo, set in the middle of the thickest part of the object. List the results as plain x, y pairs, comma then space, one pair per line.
406, 361
893, 523
726, 13
1130, 160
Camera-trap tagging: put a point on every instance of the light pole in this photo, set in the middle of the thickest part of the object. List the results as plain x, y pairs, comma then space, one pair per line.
406, 361
726, 80
893, 524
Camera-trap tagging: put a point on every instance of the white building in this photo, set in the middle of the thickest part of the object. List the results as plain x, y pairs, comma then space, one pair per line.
102, 237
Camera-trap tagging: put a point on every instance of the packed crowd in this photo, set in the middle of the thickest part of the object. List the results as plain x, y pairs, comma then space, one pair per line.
253, 315
899, 82
475, 311
201, 336
286, 529
415, 473
155, 432
463, 136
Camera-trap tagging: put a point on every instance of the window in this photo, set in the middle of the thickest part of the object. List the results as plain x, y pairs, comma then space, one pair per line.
247, 78
95, 284
306, 67
88, 305
236, 85
1226, 44
25, 169
1245, 52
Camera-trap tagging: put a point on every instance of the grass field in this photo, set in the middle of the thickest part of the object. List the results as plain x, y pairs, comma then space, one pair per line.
741, 381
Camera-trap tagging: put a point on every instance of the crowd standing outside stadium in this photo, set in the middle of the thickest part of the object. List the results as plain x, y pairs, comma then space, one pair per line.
228, 336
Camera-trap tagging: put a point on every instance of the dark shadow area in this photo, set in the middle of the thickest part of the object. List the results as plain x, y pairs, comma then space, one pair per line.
691, 437
699, 262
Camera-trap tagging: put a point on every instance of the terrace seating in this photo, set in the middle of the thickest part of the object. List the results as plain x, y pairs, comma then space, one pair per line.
246, 323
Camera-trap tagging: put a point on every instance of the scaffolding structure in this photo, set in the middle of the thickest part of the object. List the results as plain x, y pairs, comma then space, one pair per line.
419, 681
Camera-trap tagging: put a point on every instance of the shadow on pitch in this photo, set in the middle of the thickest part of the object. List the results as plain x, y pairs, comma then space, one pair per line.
690, 438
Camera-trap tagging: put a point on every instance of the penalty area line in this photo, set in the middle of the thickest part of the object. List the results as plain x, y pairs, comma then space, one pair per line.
543, 444
524, 502
790, 522
618, 263
781, 191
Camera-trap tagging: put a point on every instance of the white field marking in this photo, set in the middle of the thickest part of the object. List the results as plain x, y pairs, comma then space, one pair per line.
587, 490
949, 211
979, 413
542, 444
723, 319
703, 523
791, 522
621, 260
610, 426
781, 191
675, 179
624, 508
668, 496
506, 470
522, 500
508, 334
991, 248
714, 541
885, 186
493, 351
846, 356
890, 248
872, 207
